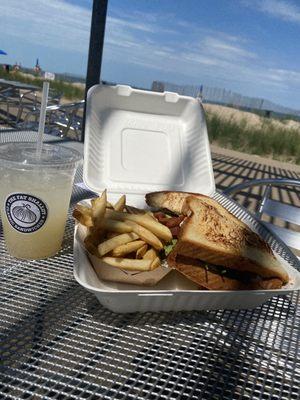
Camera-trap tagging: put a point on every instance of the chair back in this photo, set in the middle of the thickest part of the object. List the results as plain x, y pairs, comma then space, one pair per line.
274, 208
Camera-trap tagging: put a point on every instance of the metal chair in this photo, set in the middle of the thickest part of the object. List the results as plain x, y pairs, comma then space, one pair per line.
17, 97
30, 102
66, 119
9, 98
61, 120
275, 208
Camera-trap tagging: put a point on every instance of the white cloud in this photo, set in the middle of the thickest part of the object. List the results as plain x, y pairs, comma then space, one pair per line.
54, 24
60, 25
123, 42
285, 75
131, 25
196, 58
282, 9
145, 40
215, 55
225, 49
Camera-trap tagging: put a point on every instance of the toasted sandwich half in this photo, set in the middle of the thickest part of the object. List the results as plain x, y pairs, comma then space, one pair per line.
171, 201
218, 251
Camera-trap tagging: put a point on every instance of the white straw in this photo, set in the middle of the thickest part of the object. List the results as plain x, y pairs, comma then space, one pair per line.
39, 144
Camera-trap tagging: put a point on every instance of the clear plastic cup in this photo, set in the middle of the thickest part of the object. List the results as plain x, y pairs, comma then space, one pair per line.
34, 197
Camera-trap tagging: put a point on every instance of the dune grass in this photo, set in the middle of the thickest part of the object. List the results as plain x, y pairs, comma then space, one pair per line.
267, 140
68, 90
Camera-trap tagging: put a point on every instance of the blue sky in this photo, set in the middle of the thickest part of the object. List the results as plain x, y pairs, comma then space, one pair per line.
249, 46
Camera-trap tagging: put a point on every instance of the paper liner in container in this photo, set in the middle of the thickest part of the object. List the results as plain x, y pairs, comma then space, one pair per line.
109, 273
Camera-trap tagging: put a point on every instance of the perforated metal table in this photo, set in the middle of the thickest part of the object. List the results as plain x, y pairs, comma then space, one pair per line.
57, 342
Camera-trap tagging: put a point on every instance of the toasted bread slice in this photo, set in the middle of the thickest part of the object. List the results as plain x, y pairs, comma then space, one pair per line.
197, 272
172, 201
214, 235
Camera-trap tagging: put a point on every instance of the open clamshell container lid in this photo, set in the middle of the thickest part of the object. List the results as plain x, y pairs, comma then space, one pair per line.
140, 141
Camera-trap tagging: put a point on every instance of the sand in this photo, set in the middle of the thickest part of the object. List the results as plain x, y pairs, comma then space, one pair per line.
253, 120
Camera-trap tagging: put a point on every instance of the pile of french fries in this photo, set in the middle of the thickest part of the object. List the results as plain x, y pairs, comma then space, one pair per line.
122, 236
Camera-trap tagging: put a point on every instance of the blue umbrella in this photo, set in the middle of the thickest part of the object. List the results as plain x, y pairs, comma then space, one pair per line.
3, 52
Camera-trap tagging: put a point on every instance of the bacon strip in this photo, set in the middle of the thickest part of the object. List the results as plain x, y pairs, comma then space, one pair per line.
172, 223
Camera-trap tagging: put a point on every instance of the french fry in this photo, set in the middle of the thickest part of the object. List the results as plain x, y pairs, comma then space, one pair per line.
90, 245
160, 230
128, 264
110, 244
151, 254
127, 248
146, 235
120, 204
155, 264
85, 209
110, 235
96, 235
93, 202
98, 208
113, 225
134, 210
109, 205
150, 213
141, 251
83, 215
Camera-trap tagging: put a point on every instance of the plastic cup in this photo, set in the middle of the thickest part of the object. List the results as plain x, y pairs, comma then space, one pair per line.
34, 197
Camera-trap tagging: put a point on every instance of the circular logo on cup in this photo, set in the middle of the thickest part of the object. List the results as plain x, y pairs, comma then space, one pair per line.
25, 213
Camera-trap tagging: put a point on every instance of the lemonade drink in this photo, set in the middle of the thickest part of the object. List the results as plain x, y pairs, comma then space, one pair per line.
34, 197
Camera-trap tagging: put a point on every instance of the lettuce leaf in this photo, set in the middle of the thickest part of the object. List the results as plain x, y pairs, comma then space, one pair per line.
169, 247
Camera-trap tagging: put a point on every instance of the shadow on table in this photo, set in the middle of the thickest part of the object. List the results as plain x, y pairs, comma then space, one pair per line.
207, 356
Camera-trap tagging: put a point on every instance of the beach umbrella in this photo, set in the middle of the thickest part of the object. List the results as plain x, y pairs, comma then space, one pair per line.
3, 52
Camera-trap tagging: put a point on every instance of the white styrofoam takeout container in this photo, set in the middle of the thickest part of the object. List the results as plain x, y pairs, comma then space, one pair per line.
138, 142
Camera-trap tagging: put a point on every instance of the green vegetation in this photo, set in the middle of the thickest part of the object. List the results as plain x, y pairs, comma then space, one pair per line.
267, 140
68, 90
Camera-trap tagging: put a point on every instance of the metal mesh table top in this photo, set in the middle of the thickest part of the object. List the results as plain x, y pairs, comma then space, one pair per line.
9, 135
57, 342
